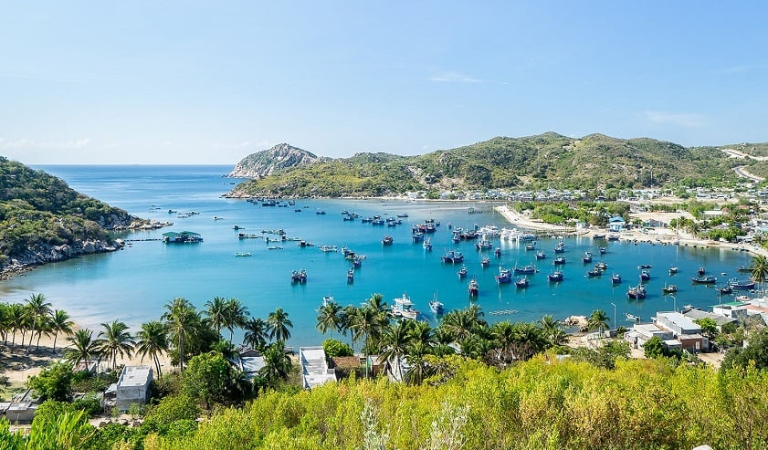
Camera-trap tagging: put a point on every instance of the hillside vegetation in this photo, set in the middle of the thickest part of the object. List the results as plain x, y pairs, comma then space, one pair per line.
547, 160
39, 211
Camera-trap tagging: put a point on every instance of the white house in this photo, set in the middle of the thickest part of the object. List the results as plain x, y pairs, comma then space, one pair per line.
133, 386
616, 224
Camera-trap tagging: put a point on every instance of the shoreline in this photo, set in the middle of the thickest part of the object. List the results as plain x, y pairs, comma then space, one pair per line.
663, 236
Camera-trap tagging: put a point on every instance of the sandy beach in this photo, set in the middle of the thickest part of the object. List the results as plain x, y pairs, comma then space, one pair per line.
654, 236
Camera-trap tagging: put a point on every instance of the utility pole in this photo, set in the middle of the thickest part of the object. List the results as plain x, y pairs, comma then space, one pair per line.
614, 315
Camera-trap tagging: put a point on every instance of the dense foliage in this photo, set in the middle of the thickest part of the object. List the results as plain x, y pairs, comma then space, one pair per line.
37, 208
546, 160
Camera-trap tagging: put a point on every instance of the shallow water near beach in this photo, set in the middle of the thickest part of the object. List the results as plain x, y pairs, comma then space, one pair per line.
133, 284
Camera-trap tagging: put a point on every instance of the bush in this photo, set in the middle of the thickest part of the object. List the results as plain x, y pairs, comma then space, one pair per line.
54, 382
90, 404
334, 348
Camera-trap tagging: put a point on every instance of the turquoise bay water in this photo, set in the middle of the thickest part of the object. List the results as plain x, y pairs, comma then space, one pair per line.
133, 285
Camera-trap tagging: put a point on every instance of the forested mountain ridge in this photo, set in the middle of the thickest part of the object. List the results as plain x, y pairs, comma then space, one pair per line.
42, 219
546, 160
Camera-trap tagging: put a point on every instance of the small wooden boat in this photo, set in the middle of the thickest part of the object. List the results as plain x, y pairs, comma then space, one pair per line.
559, 261
701, 271
350, 276
594, 273
645, 275
462, 272
669, 289
485, 262
387, 240
522, 282
615, 278
540, 255
473, 288
587, 258
555, 276
497, 252
704, 280
725, 290
673, 270
602, 250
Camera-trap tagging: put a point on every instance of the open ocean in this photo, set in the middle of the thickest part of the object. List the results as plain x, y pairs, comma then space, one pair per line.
133, 285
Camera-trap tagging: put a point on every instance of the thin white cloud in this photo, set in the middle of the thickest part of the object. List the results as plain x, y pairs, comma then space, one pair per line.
685, 120
20, 144
453, 77
264, 144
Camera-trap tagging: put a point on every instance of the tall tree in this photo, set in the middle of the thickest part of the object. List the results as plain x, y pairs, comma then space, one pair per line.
83, 348
17, 317
216, 313
759, 268
367, 325
256, 332
182, 320
37, 308
329, 318
277, 364
60, 323
235, 315
598, 320
153, 341
115, 340
394, 346
279, 325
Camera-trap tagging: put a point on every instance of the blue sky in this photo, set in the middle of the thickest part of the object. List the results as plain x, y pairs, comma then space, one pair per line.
202, 82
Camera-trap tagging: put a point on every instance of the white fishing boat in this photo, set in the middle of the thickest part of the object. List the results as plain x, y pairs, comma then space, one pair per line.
403, 307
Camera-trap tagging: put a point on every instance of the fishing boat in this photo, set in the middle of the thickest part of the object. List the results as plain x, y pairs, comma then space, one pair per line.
594, 273
632, 318
452, 256
644, 266
615, 278
744, 269
669, 289
403, 215
560, 248
528, 269
559, 261
602, 266
673, 270
497, 252
462, 272
436, 306
602, 250
485, 262
540, 255
427, 245
704, 280
275, 247
350, 276
418, 237
504, 276
645, 275
484, 244
473, 288
598, 236
328, 248
387, 240
403, 307
637, 292
557, 275
522, 282
299, 276
357, 261
242, 254
530, 246
741, 285
613, 237
587, 258
725, 290
701, 271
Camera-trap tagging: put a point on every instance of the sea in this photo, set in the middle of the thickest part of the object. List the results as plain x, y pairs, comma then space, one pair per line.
133, 284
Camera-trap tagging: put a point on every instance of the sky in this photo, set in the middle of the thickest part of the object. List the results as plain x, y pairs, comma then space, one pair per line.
201, 82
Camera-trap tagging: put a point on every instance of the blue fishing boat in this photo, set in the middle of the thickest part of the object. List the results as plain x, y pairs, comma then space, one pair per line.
540, 255
427, 245
741, 285
529, 269
595, 273
522, 282
587, 258
636, 292
485, 262
645, 275
462, 272
504, 276
615, 278
452, 256
704, 280
559, 261
555, 276
473, 288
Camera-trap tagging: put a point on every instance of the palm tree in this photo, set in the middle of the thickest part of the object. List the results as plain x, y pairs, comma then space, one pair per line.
216, 313
598, 320
181, 319
152, 341
17, 317
329, 318
418, 368
255, 333
44, 327
458, 323
82, 349
759, 268
529, 340
367, 324
115, 340
422, 332
5, 324
60, 323
277, 364
504, 337
37, 309
235, 315
377, 302
394, 343
552, 329
278, 325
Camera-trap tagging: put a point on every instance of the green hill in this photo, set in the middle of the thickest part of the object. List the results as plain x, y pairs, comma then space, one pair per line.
546, 160
42, 219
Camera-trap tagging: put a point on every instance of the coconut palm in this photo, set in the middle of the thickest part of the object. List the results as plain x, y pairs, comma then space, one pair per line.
394, 344
367, 324
329, 318
235, 316
377, 302
37, 309
44, 327
277, 364
759, 268
278, 325
115, 340
82, 348
504, 336
459, 323
216, 313
422, 332
152, 341
418, 369
4, 322
255, 333
529, 340
598, 320
60, 323
17, 318
182, 320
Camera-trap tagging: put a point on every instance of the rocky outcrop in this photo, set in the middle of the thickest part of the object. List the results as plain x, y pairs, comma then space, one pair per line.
282, 156
46, 253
